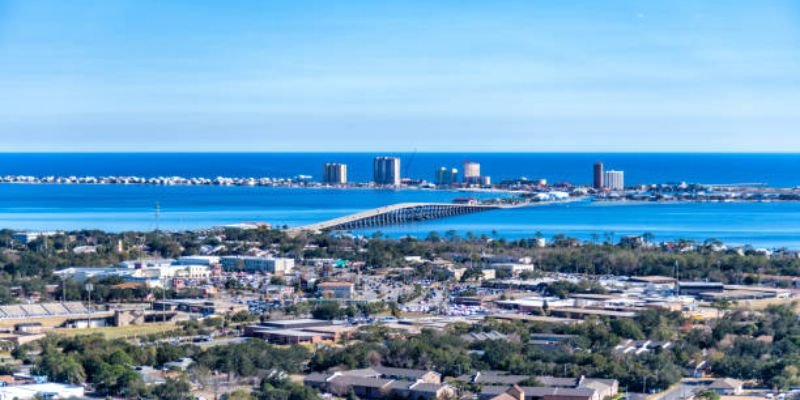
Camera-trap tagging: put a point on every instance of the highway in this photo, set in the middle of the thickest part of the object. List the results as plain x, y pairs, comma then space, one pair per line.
398, 213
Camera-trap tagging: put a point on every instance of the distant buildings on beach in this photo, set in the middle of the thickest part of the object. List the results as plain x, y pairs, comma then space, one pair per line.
612, 179
386, 172
597, 182
335, 173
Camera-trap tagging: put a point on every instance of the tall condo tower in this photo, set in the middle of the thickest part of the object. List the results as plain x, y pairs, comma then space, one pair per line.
335, 173
386, 171
598, 175
446, 176
472, 172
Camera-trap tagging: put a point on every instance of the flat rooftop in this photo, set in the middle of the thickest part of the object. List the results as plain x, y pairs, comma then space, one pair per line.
652, 279
331, 329
594, 311
294, 333
296, 322
535, 318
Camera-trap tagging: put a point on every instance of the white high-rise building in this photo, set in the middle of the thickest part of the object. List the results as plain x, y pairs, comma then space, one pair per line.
614, 180
386, 171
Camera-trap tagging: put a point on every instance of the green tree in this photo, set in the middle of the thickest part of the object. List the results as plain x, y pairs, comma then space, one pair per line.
174, 389
239, 394
328, 310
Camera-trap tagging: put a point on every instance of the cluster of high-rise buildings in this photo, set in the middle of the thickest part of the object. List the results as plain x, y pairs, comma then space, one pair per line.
386, 172
611, 179
471, 175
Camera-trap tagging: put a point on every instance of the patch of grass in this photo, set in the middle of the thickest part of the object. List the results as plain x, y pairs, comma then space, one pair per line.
116, 332
764, 303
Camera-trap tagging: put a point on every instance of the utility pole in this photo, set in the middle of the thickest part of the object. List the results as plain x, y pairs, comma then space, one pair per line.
164, 308
89, 287
676, 270
158, 216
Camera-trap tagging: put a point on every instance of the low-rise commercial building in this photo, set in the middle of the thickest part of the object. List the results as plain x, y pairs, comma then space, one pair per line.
198, 260
515, 269
199, 306
25, 237
382, 382
277, 266
553, 388
695, 288
295, 323
575, 312
299, 331
291, 336
158, 273
336, 290
41, 391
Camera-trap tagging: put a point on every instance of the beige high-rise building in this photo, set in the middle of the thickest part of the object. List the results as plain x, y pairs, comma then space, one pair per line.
472, 172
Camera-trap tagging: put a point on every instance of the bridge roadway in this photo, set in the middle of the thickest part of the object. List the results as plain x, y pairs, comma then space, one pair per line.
397, 214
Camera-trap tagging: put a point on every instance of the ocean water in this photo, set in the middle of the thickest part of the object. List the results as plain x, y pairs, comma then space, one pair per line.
131, 207
773, 169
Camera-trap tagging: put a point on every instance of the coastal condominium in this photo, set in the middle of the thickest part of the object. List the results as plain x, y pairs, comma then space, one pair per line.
472, 172
335, 173
598, 176
446, 176
614, 180
386, 171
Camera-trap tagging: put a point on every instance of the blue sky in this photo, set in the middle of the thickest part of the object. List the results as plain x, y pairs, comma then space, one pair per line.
111, 75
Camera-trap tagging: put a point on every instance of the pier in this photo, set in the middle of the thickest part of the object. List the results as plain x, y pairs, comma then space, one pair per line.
396, 214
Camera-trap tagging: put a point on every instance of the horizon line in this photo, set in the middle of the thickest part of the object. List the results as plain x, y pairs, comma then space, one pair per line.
708, 152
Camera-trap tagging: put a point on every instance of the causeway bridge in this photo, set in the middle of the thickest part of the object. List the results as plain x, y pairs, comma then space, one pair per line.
396, 214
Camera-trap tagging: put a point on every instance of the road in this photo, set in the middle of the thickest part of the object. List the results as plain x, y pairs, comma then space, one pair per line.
682, 391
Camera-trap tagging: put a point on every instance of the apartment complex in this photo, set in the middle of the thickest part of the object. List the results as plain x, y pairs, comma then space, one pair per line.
386, 171
336, 290
614, 180
472, 172
335, 173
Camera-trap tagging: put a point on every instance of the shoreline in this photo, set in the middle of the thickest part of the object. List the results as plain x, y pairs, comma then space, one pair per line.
296, 185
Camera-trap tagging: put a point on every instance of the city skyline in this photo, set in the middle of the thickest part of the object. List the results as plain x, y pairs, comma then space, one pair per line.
620, 76
400, 199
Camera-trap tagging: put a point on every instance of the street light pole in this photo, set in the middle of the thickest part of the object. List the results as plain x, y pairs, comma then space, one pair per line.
89, 287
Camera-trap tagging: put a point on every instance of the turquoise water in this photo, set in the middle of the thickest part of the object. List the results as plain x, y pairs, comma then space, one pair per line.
117, 207
120, 207
774, 169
